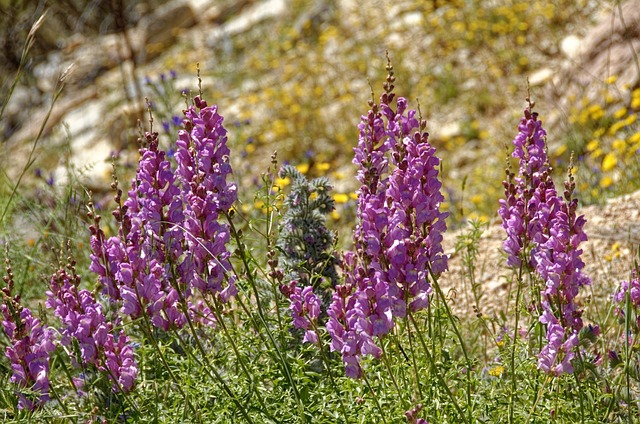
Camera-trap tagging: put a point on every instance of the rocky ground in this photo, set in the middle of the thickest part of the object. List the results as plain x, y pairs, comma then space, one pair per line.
614, 239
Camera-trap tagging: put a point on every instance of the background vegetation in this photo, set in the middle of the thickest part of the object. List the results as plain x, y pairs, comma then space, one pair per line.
299, 86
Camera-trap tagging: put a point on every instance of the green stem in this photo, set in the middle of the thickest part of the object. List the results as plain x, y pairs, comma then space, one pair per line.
57, 397
252, 282
462, 344
539, 394
385, 360
435, 369
211, 370
627, 329
413, 359
149, 332
327, 366
513, 346
375, 398
30, 158
240, 358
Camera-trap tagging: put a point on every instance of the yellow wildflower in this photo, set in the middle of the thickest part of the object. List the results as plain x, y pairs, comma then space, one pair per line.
341, 198
592, 145
620, 113
606, 181
496, 371
323, 166
611, 79
609, 162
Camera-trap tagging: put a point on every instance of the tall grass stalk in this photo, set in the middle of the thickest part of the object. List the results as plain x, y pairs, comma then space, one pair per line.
249, 275
434, 368
31, 38
512, 398
30, 157
456, 330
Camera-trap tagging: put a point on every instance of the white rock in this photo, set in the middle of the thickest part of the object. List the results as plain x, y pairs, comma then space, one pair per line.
540, 76
248, 19
572, 47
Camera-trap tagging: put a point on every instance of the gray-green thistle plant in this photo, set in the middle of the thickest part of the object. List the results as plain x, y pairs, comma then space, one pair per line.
304, 240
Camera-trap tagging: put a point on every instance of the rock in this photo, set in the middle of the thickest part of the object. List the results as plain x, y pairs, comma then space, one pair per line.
161, 28
611, 48
253, 15
572, 47
540, 76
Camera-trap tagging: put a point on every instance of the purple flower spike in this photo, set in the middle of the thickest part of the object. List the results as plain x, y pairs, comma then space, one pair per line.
84, 321
170, 240
544, 233
29, 348
398, 233
203, 170
29, 352
305, 309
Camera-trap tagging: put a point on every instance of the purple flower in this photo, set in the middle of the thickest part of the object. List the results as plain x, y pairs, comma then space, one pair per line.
203, 170
170, 240
544, 233
134, 267
556, 356
29, 349
84, 321
412, 415
305, 309
633, 289
416, 224
525, 193
398, 234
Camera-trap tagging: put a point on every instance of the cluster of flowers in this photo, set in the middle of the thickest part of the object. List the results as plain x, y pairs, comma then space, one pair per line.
29, 349
170, 241
305, 309
544, 233
84, 323
169, 245
398, 234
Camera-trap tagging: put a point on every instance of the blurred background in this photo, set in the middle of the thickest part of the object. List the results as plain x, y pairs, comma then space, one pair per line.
295, 76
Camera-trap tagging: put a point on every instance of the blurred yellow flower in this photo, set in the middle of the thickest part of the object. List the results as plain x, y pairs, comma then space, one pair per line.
560, 150
605, 182
614, 253
619, 145
496, 371
323, 166
617, 126
476, 199
341, 198
609, 162
630, 119
611, 79
620, 113
592, 145
304, 168
282, 182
